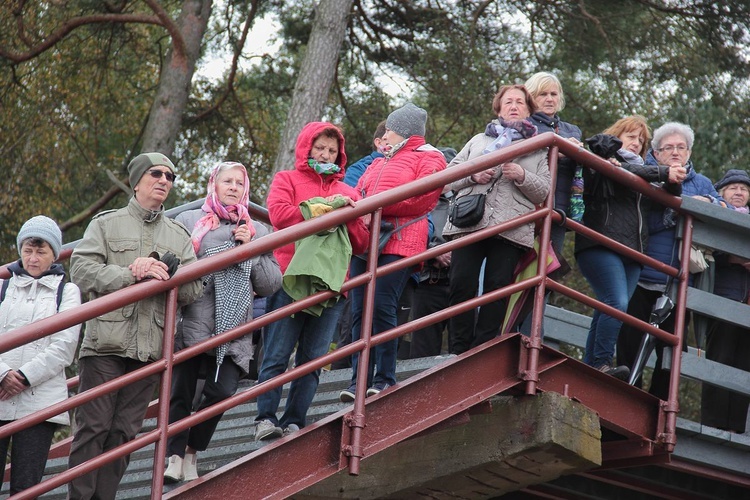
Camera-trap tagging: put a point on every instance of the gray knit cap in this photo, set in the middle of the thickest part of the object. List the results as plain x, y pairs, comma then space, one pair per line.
41, 227
407, 121
143, 162
733, 176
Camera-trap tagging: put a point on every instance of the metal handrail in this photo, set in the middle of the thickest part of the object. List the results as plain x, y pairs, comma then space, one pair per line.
371, 205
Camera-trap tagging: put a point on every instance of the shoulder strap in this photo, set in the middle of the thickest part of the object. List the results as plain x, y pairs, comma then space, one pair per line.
398, 228
60, 290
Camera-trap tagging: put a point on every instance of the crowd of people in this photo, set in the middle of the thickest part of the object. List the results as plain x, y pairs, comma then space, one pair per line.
138, 242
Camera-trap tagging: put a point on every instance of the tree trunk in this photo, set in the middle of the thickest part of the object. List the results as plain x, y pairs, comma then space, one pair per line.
316, 75
165, 119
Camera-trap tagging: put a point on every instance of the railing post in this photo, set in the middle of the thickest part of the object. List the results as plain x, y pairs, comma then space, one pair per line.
534, 343
357, 422
672, 406
160, 450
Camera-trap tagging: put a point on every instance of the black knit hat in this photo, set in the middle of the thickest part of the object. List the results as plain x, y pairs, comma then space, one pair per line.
733, 176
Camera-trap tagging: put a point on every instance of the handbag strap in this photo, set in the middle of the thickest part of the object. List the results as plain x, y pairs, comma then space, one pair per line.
493, 184
399, 228
488, 189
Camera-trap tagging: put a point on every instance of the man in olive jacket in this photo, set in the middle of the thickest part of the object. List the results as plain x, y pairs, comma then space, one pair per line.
117, 251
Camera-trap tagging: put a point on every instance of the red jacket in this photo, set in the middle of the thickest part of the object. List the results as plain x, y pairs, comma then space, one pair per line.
289, 188
413, 161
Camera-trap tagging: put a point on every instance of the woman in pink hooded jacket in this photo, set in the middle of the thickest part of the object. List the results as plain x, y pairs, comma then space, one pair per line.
318, 172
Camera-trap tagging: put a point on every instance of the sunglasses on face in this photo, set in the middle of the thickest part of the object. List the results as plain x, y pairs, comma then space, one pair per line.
156, 174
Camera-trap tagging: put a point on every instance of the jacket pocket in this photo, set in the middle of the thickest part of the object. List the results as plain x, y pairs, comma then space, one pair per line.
113, 336
122, 314
521, 204
124, 251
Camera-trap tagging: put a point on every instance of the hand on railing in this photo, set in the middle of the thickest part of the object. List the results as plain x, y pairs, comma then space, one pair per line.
172, 262
154, 267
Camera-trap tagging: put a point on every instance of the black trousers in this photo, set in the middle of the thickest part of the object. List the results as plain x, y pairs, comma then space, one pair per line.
28, 454
629, 340
429, 298
473, 328
184, 382
721, 408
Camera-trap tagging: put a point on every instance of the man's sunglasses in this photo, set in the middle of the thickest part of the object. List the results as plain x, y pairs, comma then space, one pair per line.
156, 174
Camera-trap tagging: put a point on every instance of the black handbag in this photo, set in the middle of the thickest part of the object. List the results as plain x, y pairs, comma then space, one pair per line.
468, 210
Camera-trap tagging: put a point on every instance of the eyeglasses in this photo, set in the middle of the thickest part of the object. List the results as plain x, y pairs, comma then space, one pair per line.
156, 174
669, 149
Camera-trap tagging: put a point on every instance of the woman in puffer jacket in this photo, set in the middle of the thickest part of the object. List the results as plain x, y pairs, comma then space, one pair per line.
619, 213
32, 376
407, 158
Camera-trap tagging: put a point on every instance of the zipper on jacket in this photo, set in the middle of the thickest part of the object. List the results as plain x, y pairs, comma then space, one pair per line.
640, 222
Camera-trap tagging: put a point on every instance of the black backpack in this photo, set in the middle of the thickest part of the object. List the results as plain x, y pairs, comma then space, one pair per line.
60, 288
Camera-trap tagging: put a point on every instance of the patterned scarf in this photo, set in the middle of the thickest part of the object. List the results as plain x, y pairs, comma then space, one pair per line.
216, 211
232, 297
389, 151
505, 132
323, 168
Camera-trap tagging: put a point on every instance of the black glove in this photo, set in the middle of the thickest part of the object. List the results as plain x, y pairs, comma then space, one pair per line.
172, 262
604, 145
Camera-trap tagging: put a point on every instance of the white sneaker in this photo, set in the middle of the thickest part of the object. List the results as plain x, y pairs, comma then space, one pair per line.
265, 429
190, 467
173, 474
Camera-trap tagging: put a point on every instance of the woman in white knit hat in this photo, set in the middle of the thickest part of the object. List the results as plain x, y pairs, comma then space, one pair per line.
32, 376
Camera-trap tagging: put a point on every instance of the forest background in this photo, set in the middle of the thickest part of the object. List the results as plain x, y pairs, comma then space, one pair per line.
86, 85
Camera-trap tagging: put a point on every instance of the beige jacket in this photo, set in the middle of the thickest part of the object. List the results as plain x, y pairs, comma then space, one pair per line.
508, 199
99, 266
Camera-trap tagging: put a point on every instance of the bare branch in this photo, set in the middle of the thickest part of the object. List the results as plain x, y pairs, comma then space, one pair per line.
598, 24
235, 63
70, 25
178, 42
475, 19
92, 209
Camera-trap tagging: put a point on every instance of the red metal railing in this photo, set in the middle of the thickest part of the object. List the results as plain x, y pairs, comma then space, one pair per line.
371, 205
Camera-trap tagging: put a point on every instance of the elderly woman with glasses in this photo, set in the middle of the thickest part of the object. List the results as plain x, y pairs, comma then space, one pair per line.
672, 146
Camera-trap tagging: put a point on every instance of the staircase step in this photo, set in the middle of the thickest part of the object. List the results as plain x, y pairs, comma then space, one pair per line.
235, 434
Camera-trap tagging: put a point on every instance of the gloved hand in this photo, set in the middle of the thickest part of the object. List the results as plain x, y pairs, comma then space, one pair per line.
169, 259
172, 262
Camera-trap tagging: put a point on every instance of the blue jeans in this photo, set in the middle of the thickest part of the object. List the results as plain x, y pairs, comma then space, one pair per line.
387, 293
312, 335
613, 279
